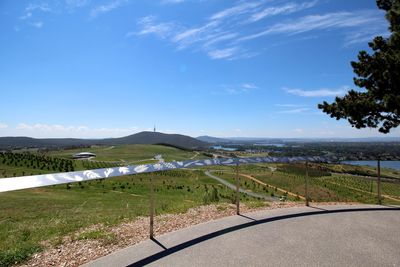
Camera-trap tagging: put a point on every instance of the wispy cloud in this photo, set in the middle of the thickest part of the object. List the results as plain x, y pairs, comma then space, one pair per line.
37, 24
289, 105
218, 34
334, 20
171, 2
283, 9
249, 86
223, 53
319, 92
103, 9
238, 9
228, 34
76, 3
31, 13
293, 111
3, 125
58, 130
150, 26
42, 7
236, 89
366, 35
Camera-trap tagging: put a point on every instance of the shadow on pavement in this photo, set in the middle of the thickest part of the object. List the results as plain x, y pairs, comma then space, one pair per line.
247, 217
209, 236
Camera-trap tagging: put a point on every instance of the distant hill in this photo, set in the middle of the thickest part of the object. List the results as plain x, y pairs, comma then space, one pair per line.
266, 140
211, 139
176, 140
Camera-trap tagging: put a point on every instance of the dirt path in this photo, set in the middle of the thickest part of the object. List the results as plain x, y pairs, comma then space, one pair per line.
363, 191
265, 184
195, 155
241, 190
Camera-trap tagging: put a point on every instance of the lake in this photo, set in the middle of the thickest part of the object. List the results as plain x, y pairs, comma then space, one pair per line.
392, 164
224, 148
275, 145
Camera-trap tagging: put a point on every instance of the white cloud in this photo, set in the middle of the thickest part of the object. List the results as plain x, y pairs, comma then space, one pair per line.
366, 35
3, 125
27, 15
238, 9
220, 38
217, 35
42, 7
29, 12
293, 111
237, 89
172, 1
76, 3
37, 24
249, 86
57, 130
223, 53
103, 9
289, 105
222, 35
150, 26
284, 9
31, 8
319, 92
334, 20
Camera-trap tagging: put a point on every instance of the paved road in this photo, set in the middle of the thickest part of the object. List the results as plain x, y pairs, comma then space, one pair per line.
354, 235
241, 190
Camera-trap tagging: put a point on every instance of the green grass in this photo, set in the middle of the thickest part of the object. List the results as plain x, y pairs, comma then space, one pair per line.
130, 153
249, 185
30, 217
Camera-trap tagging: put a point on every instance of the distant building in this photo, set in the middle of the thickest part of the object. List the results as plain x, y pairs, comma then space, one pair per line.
159, 158
83, 155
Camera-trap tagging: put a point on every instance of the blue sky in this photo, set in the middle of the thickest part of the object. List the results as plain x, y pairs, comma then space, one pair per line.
81, 68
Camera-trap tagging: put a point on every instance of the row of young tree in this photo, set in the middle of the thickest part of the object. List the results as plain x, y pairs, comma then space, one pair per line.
36, 161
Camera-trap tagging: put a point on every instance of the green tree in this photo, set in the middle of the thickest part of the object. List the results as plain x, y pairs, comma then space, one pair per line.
379, 74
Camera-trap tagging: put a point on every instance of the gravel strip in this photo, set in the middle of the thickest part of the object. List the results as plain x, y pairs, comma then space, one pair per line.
74, 251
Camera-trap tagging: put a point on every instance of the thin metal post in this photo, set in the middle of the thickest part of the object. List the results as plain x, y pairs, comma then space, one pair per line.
237, 190
306, 186
151, 195
379, 182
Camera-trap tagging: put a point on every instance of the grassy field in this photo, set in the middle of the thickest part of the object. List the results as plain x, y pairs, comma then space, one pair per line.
130, 153
324, 183
33, 219
30, 217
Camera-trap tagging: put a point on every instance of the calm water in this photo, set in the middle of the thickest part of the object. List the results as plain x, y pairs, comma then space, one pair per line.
224, 148
275, 145
393, 164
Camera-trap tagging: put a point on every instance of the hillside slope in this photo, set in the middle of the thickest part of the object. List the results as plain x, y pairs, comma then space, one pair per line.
176, 140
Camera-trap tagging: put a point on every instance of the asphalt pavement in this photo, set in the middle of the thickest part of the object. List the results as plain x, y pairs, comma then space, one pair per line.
348, 235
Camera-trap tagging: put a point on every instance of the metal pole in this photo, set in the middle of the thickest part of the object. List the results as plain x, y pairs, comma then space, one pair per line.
306, 186
151, 208
379, 182
237, 190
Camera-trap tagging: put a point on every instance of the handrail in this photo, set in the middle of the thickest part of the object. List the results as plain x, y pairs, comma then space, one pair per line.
33, 181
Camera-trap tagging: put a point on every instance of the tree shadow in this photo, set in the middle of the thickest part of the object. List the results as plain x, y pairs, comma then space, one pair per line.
184, 245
